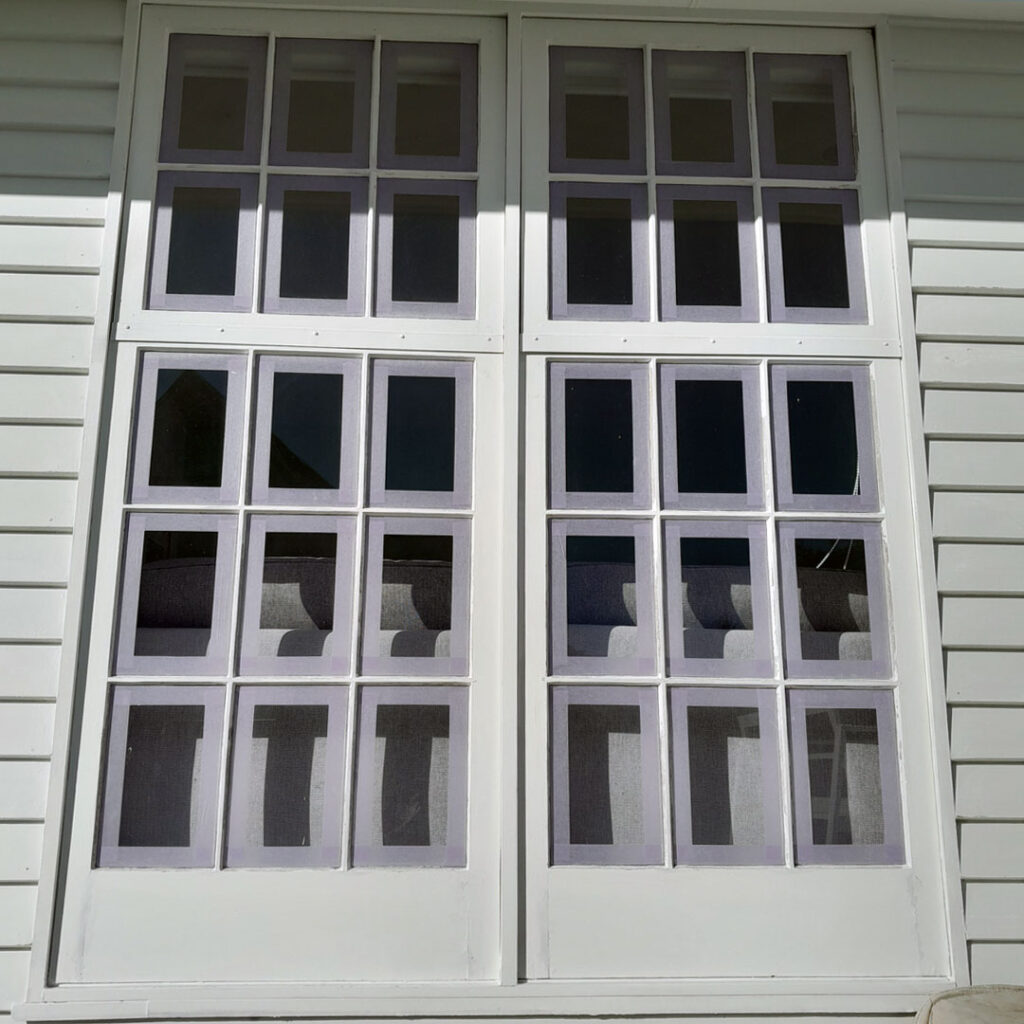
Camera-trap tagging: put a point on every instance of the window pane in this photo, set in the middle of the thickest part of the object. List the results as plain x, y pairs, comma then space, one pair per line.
598, 435
718, 617
176, 593
188, 428
726, 791
287, 780
599, 251
420, 446
297, 596
203, 249
845, 776
601, 596
162, 766
823, 437
425, 248
428, 107
416, 598
411, 760
803, 108
305, 440
605, 775
711, 455
315, 244
707, 252
832, 585
814, 255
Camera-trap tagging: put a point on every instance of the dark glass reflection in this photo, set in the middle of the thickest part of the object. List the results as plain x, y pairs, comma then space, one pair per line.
203, 249
161, 762
600, 580
701, 129
293, 766
814, 255
213, 111
598, 435
835, 619
845, 776
595, 104
320, 115
711, 455
805, 129
176, 591
605, 774
425, 248
298, 581
314, 244
707, 252
420, 447
726, 803
718, 618
415, 773
188, 428
599, 251
305, 432
428, 105
416, 594
823, 437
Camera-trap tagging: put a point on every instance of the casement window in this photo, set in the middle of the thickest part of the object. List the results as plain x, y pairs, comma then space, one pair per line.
504, 588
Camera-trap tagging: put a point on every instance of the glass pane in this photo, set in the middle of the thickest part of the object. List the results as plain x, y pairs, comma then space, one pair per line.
287, 755
214, 91
835, 622
305, 433
718, 617
601, 596
599, 251
803, 114
315, 244
845, 776
598, 435
297, 596
711, 454
726, 794
707, 252
420, 447
597, 114
162, 765
416, 596
176, 590
814, 269
425, 248
605, 774
188, 428
428, 108
823, 437
203, 247
699, 93
412, 765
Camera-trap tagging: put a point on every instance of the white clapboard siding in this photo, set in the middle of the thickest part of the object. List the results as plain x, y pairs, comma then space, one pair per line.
23, 790
21, 850
990, 792
984, 677
34, 504
982, 621
67, 107
997, 963
987, 734
26, 730
971, 317
979, 568
986, 465
31, 346
48, 398
952, 413
29, 671
948, 363
31, 450
949, 49
29, 614
13, 972
34, 558
972, 271
17, 907
962, 515
974, 137
990, 850
981, 225
986, 93
59, 297
994, 909
49, 247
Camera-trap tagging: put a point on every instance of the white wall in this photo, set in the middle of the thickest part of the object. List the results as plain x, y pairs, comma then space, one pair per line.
59, 67
960, 96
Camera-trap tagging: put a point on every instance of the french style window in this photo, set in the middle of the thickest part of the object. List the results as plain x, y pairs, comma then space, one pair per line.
504, 586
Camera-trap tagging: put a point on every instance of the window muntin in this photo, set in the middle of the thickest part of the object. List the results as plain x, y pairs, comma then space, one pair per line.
845, 777
605, 800
287, 777
725, 771
159, 802
411, 778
